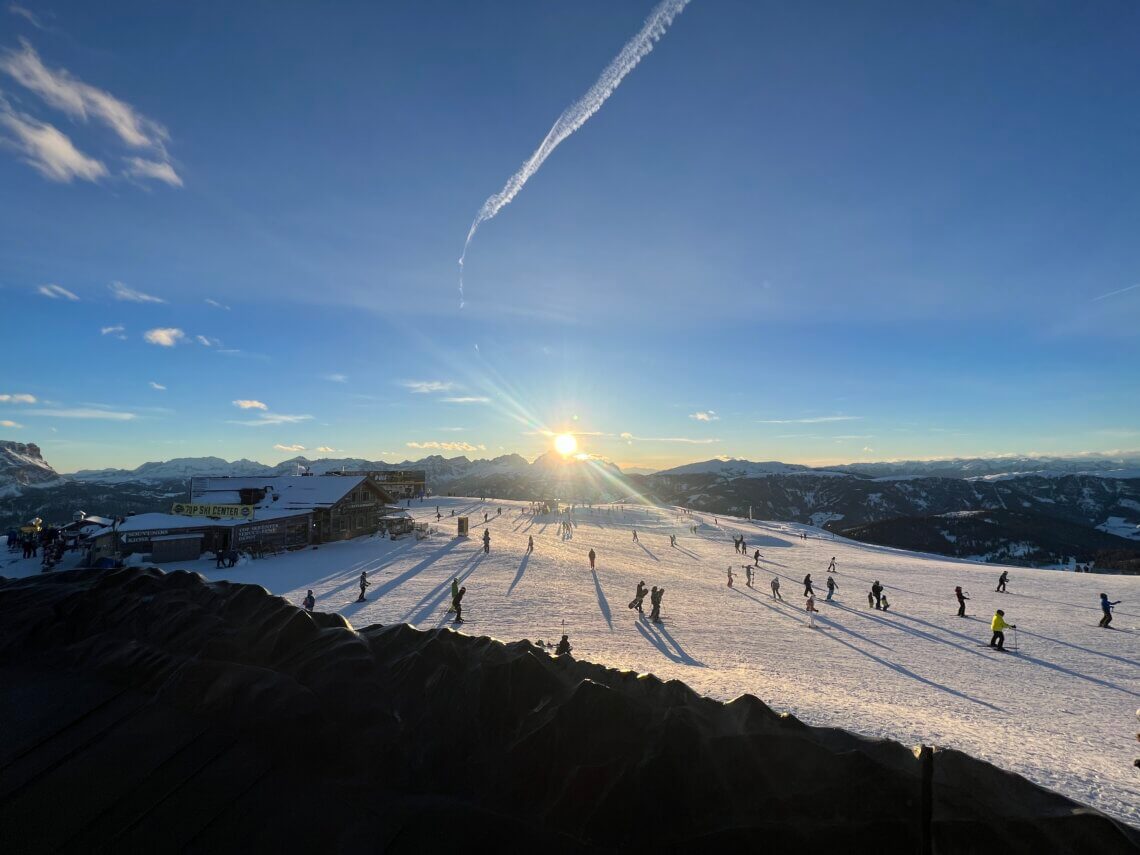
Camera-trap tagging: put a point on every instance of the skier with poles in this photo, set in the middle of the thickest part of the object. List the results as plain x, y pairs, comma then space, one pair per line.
998, 625
831, 586
831, 566
756, 559
1106, 607
638, 596
364, 583
1002, 579
962, 597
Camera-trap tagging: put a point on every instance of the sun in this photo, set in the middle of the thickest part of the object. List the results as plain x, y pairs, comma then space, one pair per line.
565, 444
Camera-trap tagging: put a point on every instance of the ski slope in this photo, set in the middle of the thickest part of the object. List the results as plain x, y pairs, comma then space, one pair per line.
1061, 711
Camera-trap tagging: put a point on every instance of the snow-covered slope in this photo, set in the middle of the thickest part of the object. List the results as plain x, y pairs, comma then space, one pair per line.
1060, 711
22, 465
738, 468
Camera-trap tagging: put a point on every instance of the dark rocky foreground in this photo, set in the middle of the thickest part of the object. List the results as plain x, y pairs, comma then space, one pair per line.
144, 711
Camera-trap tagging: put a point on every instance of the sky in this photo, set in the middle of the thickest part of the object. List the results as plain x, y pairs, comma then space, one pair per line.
815, 233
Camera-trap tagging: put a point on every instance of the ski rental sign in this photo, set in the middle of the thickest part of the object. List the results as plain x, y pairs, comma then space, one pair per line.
225, 512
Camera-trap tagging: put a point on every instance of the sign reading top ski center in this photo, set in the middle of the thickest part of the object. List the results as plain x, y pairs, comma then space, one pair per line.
226, 512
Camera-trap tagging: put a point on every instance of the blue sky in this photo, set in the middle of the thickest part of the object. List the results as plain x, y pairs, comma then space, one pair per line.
816, 234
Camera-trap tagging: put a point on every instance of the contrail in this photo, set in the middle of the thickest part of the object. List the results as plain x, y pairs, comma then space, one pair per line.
574, 116
1109, 294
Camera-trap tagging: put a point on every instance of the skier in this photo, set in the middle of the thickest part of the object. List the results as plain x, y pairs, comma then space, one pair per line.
563, 648
638, 596
1106, 607
831, 566
592, 557
635, 540
454, 592
870, 600
486, 541
886, 605
310, 601
530, 544
484, 517
364, 583
655, 599
776, 588
808, 590
811, 610
961, 600
1002, 579
730, 576
457, 604
748, 575
743, 546
997, 625
499, 513
831, 586
756, 559
877, 593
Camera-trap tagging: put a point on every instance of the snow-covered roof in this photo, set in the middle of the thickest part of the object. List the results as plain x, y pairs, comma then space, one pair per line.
293, 492
145, 522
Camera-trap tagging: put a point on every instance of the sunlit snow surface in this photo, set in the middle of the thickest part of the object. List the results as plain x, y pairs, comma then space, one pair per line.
1062, 711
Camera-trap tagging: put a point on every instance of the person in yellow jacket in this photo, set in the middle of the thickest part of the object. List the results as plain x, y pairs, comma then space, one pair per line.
998, 624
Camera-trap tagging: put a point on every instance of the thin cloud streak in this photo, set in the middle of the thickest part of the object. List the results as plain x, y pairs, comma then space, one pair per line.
1114, 293
811, 421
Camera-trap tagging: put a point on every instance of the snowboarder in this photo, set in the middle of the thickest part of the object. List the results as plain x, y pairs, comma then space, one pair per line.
486, 541
563, 648
310, 601
364, 583
592, 556
454, 592
831, 586
877, 593
1002, 579
1106, 607
831, 566
962, 597
530, 544
808, 590
457, 604
638, 596
655, 599
998, 624
756, 559
776, 588
730, 576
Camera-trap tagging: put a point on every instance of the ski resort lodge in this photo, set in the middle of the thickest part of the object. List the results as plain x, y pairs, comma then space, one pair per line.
257, 514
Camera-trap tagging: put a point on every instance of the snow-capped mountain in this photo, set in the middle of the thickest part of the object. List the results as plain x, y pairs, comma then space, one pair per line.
740, 468
22, 465
999, 467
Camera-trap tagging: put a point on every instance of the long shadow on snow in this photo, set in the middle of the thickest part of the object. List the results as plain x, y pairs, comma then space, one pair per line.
397, 581
431, 600
603, 603
692, 555
972, 649
658, 639
519, 574
353, 571
1096, 680
647, 552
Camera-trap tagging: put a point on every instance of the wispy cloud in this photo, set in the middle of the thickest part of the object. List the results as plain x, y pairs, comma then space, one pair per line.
157, 386
27, 14
56, 292
83, 102
629, 437
116, 331
453, 429
850, 436
426, 387
248, 404
1114, 293
17, 399
206, 341
325, 449
447, 446
216, 304
8, 423
265, 419
164, 336
809, 421
705, 416
280, 447
84, 413
337, 378
46, 148
157, 170
468, 399
121, 292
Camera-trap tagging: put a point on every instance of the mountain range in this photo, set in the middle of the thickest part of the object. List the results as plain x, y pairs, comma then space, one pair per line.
1044, 495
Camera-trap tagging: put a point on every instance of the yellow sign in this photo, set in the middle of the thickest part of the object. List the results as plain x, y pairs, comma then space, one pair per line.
226, 512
